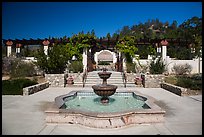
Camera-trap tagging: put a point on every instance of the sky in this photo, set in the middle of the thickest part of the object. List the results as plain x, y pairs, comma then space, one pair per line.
25, 20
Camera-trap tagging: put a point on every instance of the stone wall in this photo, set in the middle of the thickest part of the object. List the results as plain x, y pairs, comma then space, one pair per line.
174, 89
55, 80
58, 80
131, 76
195, 63
153, 81
35, 88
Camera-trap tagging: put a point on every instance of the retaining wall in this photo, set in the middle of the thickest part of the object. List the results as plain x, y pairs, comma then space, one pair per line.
174, 89
35, 88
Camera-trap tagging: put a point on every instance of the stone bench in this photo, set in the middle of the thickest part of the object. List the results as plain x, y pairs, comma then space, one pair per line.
35, 88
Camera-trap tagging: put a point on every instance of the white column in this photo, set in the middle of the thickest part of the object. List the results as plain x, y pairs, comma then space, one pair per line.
164, 53
46, 49
8, 50
158, 48
119, 54
9, 44
84, 59
46, 43
18, 49
96, 58
114, 58
124, 65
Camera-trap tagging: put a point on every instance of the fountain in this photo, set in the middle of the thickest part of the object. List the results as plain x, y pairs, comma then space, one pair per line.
104, 108
104, 90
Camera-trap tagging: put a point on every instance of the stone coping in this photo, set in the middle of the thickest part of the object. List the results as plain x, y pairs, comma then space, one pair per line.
104, 120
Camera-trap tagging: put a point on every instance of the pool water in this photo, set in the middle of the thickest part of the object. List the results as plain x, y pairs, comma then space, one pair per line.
119, 102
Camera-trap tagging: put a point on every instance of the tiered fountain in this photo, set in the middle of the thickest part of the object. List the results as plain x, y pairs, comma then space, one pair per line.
104, 108
104, 90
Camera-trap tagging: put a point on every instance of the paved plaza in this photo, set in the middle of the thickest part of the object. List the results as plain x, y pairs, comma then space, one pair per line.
24, 115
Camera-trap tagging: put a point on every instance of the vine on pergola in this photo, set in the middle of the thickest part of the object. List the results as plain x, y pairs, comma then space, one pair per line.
126, 45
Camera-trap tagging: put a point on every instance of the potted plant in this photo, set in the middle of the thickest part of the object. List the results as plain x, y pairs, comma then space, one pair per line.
70, 80
138, 80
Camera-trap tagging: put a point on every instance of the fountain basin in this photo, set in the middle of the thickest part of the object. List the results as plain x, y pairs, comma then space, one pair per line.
104, 75
104, 90
66, 109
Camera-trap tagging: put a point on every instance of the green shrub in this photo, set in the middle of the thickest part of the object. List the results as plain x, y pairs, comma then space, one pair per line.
194, 82
157, 66
171, 80
103, 63
182, 69
184, 82
56, 60
188, 82
22, 69
15, 86
130, 67
196, 77
76, 66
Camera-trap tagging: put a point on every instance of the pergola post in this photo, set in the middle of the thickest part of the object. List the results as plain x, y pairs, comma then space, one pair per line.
46, 43
9, 44
164, 44
84, 59
18, 48
158, 49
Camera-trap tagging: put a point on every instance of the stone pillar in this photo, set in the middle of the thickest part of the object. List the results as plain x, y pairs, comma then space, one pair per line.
164, 44
84, 59
9, 44
46, 43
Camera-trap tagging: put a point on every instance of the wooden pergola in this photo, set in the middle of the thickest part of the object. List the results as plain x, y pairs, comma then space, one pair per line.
104, 43
97, 45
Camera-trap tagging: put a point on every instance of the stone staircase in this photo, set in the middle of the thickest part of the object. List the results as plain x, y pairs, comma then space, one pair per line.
115, 79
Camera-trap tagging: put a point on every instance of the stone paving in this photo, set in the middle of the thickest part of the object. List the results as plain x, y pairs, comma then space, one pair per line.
24, 115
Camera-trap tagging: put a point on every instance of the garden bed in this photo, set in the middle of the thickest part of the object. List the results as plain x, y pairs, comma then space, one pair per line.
15, 86
184, 84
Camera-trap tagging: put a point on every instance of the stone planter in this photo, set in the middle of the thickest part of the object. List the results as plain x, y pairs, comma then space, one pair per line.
138, 82
70, 80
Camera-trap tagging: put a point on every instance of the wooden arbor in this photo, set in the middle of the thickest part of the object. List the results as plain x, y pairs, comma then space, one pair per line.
99, 44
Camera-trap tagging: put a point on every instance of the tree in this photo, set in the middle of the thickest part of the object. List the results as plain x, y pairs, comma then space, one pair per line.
56, 60
125, 31
108, 35
174, 25
93, 33
127, 46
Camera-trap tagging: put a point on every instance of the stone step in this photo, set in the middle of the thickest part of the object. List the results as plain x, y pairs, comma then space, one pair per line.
94, 79
93, 76
89, 85
100, 82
